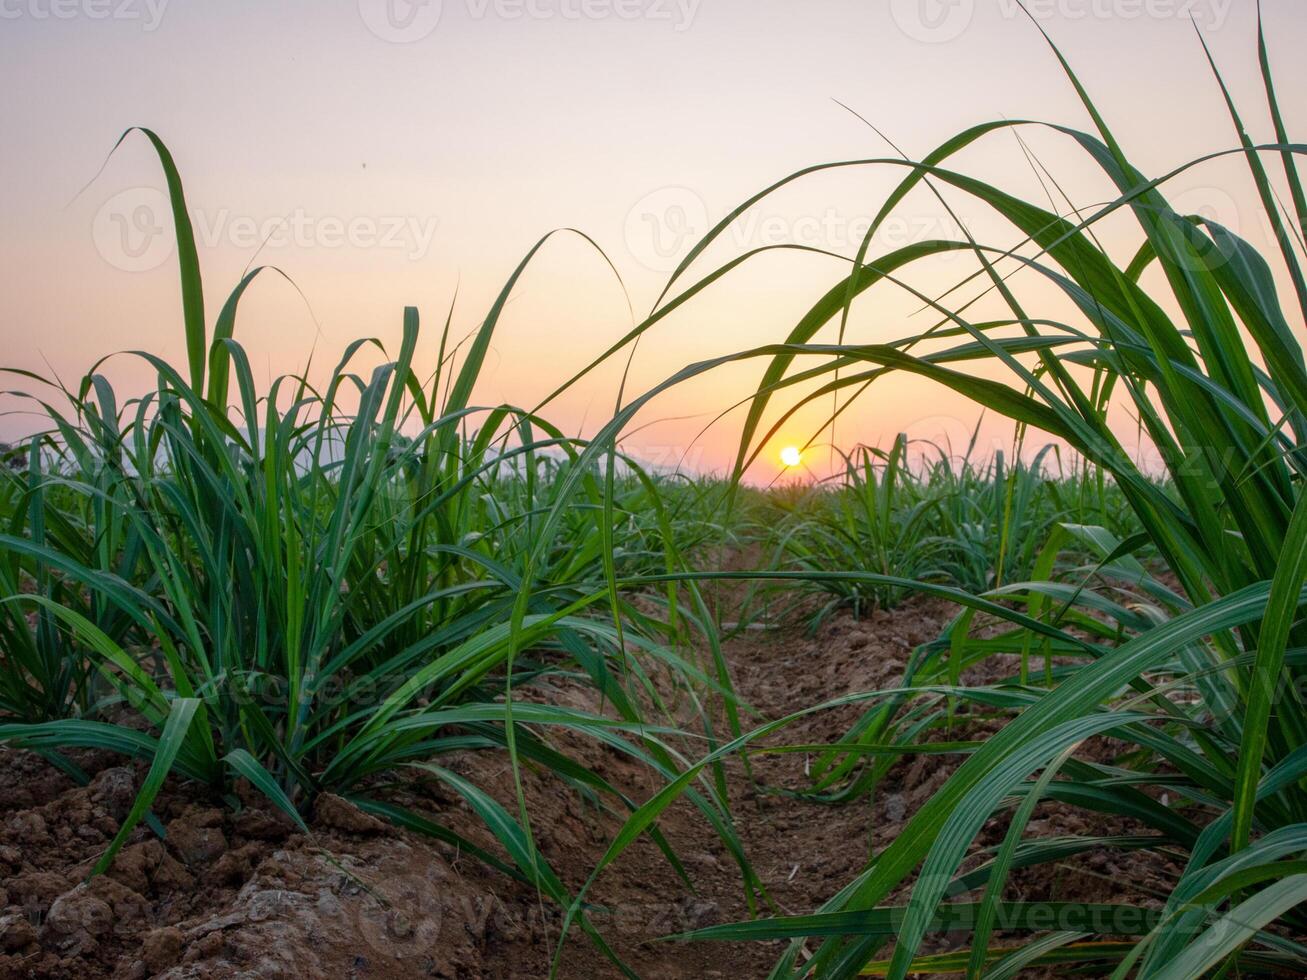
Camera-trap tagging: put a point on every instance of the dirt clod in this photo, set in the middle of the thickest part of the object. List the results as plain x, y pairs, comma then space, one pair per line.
16, 931
75, 919
339, 814
114, 789
35, 890
196, 836
161, 948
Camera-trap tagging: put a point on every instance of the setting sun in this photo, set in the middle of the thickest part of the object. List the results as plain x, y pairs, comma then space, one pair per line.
791, 456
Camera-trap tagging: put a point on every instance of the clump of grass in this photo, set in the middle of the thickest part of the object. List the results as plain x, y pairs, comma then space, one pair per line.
328, 589
956, 520
881, 517
1202, 681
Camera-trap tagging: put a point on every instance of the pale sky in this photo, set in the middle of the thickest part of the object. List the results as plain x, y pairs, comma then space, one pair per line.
401, 152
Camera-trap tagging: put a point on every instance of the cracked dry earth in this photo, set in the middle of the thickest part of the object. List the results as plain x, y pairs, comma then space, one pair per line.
244, 894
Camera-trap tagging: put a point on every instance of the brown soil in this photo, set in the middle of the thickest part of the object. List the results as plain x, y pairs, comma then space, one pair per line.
242, 894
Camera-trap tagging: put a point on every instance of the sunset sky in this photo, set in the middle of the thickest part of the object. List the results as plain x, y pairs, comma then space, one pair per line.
399, 154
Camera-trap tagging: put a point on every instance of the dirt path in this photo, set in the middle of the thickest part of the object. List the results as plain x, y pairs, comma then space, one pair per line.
243, 895
801, 851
